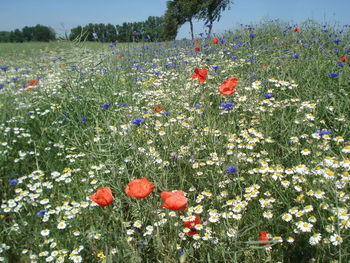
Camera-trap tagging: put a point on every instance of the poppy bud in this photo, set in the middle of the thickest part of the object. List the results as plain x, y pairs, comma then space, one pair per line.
263, 237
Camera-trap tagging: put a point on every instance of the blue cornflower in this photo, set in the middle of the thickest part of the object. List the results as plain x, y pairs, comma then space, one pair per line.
341, 64
83, 119
197, 106
215, 67
296, 56
124, 105
332, 74
231, 169
324, 132
113, 44
227, 105
264, 47
4, 68
250, 59
105, 106
234, 57
2, 86
336, 41
251, 35
138, 121
41, 212
165, 113
13, 182
268, 95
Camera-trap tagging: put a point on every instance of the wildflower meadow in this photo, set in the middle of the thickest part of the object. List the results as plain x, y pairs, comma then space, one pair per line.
229, 148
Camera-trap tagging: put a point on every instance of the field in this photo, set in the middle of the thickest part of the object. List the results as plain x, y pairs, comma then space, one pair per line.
244, 140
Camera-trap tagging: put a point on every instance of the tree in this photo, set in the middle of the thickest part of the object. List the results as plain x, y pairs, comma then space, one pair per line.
43, 33
5, 36
171, 22
184, 11
28, 33
16, 36
211, 11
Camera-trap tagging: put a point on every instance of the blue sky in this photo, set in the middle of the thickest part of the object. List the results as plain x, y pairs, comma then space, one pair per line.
64, 14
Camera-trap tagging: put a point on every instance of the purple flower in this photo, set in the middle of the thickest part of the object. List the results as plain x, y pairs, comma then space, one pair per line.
13, 182
231, 169
83, 119
336, 41
268, 95
333, 75
105, 106
227, 105
251, 35
296, 56
138, 121
324, 132
41, 212
2, 86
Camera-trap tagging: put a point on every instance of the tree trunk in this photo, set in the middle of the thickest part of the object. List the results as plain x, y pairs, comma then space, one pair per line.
211, 26
191, 26
209, 32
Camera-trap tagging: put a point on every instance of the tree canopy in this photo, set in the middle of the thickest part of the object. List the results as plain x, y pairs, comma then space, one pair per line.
182, 11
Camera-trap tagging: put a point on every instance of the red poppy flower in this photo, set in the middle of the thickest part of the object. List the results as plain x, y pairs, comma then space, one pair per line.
215, 40
296, 29
228, 86
191, 225
200, 74
139, 188
103, 196
174, 200
344, 59
158, 108
263, 237
197, 49
32, 83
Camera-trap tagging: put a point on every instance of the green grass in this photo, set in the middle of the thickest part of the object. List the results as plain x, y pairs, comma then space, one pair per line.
291, 150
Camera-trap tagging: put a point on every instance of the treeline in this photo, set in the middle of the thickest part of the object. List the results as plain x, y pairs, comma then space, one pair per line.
34, 33
154, 29
150, 30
